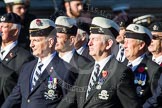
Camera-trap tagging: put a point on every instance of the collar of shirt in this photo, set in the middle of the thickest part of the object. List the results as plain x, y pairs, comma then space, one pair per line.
103, 62
67, 57
158, 60
8, 48
81, 49
46, 61
137, 61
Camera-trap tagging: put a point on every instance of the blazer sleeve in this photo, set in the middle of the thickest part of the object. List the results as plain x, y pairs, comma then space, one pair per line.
14, 99
126, 91
156, 100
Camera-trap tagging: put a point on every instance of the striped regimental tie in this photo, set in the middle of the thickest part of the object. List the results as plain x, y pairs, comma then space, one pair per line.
93, 79
36, 75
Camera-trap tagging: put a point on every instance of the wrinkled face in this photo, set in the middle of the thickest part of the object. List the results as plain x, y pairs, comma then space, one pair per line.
96, 45
63, 43
40, 46
7, 33
76, 7
132, 47
120, 37
19, 10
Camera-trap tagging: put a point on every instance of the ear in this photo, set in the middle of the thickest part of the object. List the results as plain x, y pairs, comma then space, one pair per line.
51, 42
67, 5
109, 44
72, 39
142, 45
83, 36
14, 32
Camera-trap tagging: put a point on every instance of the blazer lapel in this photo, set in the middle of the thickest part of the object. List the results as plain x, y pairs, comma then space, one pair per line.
47, 72
28, 78
10, 55
110, 68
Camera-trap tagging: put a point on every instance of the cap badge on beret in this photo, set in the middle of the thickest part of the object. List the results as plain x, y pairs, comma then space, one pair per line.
3, 18
155, 27
136, 28
39, 23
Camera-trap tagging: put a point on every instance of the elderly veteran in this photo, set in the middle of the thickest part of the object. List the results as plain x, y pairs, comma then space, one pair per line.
155, 47
146, 72
12, 56
42, 82
107, 83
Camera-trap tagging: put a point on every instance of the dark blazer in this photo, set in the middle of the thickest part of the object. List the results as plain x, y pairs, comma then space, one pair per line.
117, 91
156, 100
41, 96
152, 72
12, 64
8, 79
78, 62
16, 58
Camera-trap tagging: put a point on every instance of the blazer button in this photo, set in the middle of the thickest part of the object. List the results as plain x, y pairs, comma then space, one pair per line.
28, 100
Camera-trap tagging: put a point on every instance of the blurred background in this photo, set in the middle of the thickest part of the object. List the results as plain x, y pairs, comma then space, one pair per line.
44, 8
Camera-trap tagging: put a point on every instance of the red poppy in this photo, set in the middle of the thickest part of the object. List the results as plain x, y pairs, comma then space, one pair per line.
141, 69
104, 73
161, 64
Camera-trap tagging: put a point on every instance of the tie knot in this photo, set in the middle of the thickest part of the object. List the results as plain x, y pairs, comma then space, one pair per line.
40, 64
97, 65
2, 52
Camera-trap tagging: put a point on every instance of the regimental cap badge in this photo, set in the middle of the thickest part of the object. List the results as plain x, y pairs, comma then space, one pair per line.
3, 18
39, 22
136, 28
155, 27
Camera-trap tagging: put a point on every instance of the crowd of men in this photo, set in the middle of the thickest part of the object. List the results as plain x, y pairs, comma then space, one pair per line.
74, 60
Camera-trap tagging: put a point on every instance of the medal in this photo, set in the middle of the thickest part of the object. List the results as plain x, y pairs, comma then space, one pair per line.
54, 83
139, 90
140, 82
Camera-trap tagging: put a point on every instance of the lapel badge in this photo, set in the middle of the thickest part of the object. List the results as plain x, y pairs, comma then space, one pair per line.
50, 94
6, 59
103, 95
11, 54
51, 70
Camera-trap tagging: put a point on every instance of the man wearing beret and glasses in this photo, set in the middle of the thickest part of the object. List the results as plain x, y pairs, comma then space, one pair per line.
155, 47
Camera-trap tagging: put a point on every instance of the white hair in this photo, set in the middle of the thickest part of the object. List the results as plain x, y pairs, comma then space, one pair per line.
81, 32
16, 26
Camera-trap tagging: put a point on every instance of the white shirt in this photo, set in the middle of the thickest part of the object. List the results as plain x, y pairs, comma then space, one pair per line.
102, 63
7, 49
81, 49
67, 57
136, 62
158, 60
